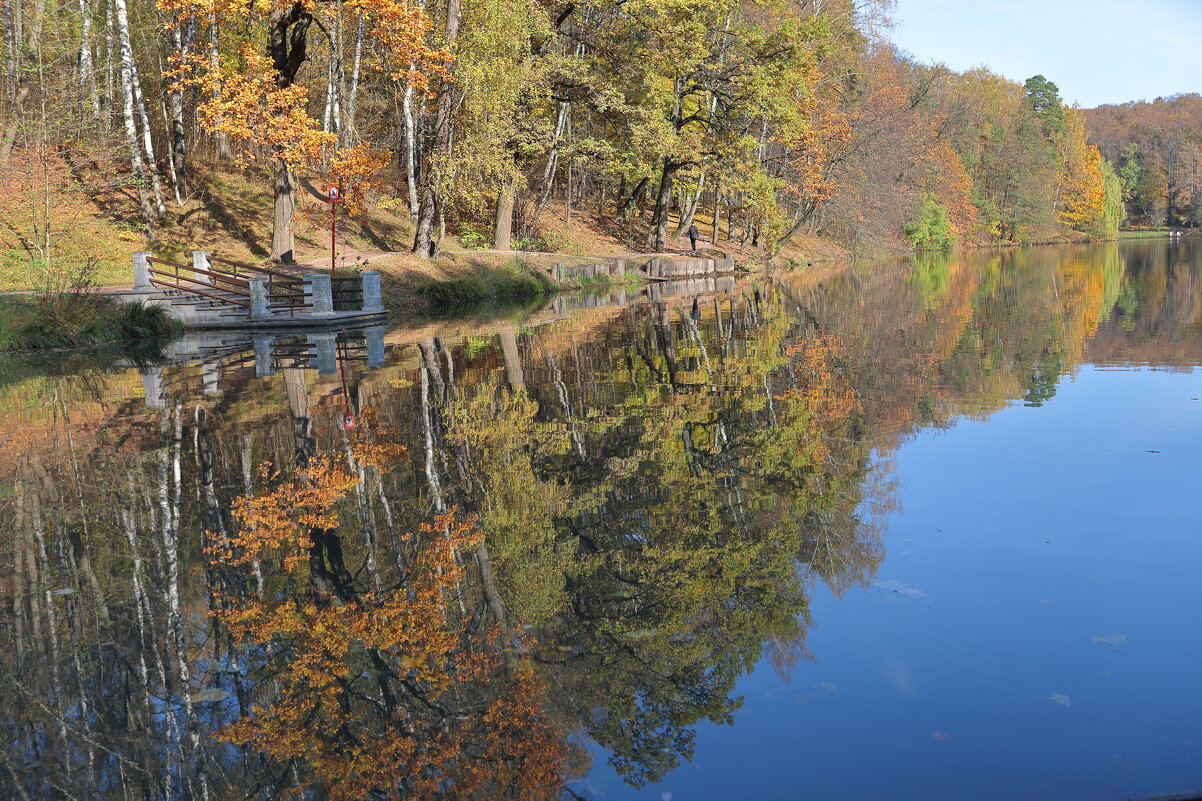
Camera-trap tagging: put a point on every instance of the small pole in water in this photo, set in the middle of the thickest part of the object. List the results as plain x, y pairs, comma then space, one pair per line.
332, 194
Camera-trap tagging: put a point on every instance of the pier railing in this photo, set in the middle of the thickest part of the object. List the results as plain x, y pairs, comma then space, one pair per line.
262, 292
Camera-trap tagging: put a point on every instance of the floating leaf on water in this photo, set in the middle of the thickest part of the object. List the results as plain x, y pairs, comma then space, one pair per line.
939, 735
893, 585
1110, 639
1061, 698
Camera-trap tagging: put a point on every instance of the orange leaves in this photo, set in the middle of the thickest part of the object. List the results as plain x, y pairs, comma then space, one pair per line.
246, 105
1081, 194
280, 521
403, 30
353, 170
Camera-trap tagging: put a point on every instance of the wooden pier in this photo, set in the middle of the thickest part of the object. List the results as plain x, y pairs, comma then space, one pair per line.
215, 293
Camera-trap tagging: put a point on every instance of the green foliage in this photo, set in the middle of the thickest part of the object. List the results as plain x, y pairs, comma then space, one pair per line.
1131, 173
83, 322
472, 238
1044, 97
511, 280
1114, 210
931, 228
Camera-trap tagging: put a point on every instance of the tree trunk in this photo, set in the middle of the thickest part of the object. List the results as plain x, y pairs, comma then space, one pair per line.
717, 212
663, 203
156, 184
502, 236
87, 73
224, 150
287, 44
689, 208
409, 119
425, 243
180, 44
348, 130
283, 241
149, 210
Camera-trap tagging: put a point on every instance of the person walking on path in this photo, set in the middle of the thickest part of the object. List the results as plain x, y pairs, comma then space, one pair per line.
693, 234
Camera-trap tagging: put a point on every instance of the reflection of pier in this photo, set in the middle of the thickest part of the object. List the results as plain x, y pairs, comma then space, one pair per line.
708, 285
227, 358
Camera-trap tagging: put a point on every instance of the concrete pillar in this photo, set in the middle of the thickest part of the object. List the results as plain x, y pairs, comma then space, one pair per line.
210, 377
325, 347
258, 297
142, 271
373, 299
200, 261
264, 361
152, 388
375, 346
319, 295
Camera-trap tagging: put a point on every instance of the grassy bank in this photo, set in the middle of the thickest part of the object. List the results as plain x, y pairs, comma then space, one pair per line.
78, 320
511, 280
474, 283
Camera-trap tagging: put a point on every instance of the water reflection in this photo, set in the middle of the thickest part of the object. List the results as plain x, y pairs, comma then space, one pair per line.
534, 544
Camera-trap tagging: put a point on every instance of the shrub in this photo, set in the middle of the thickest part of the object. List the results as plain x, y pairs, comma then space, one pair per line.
932, 228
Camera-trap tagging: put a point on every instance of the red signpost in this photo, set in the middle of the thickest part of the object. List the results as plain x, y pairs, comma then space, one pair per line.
332, 194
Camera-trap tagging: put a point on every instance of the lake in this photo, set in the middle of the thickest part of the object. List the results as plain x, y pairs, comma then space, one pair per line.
927, 528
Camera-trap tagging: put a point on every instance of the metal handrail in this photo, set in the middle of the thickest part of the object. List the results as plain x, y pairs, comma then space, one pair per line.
284, 278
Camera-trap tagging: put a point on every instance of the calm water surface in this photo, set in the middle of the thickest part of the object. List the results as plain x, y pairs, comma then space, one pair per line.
922, 530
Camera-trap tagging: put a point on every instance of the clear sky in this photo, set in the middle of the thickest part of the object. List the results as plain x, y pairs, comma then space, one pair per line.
1096, 51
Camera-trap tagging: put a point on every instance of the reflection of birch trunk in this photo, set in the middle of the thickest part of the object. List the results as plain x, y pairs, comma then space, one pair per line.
248, 489
565, 401
667, 343
43, 588
170, 488
367, 512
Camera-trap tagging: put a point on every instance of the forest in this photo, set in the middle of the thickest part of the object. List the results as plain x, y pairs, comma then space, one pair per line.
1157, 149
762, 121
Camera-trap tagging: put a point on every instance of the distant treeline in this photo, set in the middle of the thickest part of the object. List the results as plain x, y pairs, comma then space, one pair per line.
1157, 148
757, 119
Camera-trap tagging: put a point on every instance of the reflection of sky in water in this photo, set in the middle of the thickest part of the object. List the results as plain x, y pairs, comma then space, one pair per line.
1034, 633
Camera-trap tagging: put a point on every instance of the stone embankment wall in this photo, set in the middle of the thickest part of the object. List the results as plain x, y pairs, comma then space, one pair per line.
656, 267
664, 267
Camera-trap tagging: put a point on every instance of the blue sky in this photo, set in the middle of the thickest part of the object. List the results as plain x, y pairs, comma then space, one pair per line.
1096, 51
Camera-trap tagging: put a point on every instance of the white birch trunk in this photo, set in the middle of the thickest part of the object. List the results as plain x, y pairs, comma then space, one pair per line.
156, 183
149, 210
87, 72
348, 130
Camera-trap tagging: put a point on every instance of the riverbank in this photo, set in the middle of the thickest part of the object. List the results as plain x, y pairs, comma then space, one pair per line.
79, 321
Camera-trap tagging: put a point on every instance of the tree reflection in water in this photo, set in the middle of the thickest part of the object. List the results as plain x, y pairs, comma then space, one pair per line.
539, 544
